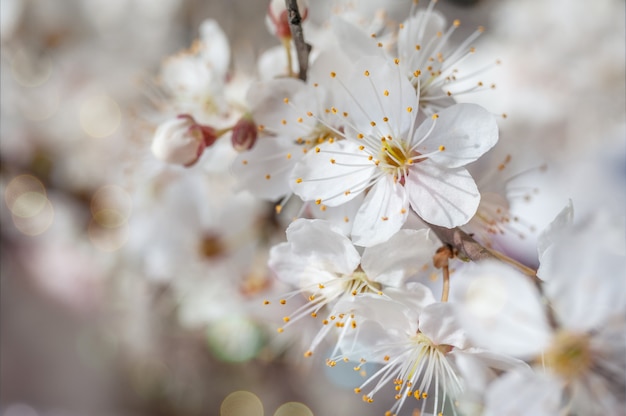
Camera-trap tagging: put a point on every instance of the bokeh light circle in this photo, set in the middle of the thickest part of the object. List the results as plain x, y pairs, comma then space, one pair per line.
111, 206
293, 409
241, 403
100, 116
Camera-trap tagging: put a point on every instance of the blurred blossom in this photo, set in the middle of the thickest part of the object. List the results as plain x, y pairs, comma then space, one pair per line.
153, 159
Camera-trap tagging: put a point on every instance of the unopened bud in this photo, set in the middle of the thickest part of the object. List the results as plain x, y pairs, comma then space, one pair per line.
244, 134
277, 18
181, 140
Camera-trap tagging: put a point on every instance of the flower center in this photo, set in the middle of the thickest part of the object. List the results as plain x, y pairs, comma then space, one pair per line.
359, 283
212, 246
396, 157
317, 136
569, 355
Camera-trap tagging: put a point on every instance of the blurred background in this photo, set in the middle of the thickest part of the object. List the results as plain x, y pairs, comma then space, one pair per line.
85, 329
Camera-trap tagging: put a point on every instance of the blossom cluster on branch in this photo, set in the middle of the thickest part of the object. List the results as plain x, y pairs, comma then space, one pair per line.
346, 165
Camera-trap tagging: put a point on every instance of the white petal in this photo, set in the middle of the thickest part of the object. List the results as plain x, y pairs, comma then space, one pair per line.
438, 322
316, 177
440, 196
321, 241
329, 60
501, 310
466, 131
523, 393
269, 109
341, 216
265, 169
562, 221
399, 258
409, 35
377, 89
299, 271
382, 214
584, 280
186, 76
354, 41
215, 47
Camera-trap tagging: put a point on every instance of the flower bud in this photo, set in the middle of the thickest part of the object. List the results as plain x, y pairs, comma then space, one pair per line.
277, 18
244, 133
181, 140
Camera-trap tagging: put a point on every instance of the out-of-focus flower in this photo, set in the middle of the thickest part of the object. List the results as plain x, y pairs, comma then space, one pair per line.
576, 341
181, 140
195, 80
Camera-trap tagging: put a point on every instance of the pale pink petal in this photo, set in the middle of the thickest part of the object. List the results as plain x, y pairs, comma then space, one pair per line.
440, 196
317, 178
466, 132
399, 258
382, 214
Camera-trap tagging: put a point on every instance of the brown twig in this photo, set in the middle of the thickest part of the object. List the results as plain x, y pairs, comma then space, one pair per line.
469, 249
302, 48
441, 261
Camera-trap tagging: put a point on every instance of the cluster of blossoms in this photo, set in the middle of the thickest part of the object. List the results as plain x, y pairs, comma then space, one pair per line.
363, 159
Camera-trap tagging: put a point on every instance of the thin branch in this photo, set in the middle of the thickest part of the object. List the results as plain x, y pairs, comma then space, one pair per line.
469, 249
302, 48
441, 261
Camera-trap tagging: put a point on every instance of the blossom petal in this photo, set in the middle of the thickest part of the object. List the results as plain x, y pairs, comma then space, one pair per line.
502, 310
316, 177
426, 23
590, 290
382, 214
445, 197
524, 393
377, 98
323, 242
280, 106
465, 131
438, 322
266, 168
562, 221
400, 257
354, 41
215, 48
296, 270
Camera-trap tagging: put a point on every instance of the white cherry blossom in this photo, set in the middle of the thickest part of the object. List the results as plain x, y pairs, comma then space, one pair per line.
399, 163
423, 351
326, 268
427, 58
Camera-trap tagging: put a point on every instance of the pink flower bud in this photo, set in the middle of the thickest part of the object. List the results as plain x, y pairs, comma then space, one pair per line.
244, 134
277, 18
181, 140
